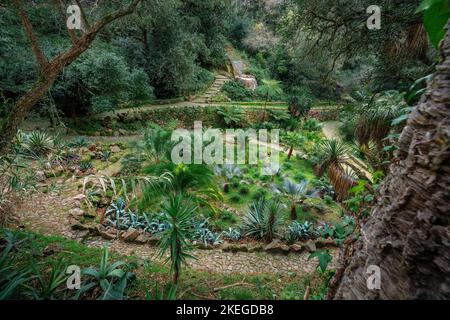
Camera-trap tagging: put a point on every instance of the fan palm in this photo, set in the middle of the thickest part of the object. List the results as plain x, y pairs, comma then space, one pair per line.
179, 214
293, 140
295, 193
269, 89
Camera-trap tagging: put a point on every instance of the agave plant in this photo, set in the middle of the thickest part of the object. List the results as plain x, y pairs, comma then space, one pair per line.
263, 219
300, 231
112, 279
79, 142
122, 218
203, 233
155, 226
86, 166
232, 234
229, 171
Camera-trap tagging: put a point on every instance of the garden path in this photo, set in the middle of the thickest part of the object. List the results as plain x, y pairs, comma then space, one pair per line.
48, 214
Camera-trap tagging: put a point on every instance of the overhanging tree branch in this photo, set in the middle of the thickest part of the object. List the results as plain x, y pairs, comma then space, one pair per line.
51, 69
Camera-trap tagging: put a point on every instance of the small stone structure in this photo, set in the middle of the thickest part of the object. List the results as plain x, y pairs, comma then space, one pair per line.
247, 80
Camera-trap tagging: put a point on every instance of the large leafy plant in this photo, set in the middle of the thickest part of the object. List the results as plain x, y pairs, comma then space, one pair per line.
111, 278
231, 116
435, 16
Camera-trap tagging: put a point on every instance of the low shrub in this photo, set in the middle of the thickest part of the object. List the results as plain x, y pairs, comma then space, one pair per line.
244, 191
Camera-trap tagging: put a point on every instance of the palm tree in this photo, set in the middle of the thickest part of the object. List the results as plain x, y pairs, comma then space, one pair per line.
196, 181
178, 213
333, 156
407, 233
156, 144
375, 123
295, 193
269, 89
293, 140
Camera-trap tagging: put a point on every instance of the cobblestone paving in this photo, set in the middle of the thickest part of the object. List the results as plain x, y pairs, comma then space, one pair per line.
48, 214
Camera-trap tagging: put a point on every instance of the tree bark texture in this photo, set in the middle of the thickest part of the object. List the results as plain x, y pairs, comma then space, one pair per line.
408, 233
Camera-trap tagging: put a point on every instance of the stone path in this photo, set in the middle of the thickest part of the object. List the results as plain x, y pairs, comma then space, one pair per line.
213, 90
48, 215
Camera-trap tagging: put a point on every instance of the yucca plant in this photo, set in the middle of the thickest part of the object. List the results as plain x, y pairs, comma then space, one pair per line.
179, 214
36, 144
11, 277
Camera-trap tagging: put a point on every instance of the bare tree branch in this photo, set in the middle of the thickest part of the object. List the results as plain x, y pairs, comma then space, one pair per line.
35, 46
60, 7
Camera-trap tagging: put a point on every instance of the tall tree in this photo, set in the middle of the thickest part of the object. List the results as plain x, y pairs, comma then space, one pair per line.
51, 69
407, 234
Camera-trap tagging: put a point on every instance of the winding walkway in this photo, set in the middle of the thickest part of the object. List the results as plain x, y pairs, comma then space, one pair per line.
48, 215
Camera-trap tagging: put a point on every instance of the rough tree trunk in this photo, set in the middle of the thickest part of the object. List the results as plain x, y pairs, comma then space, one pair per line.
408, 234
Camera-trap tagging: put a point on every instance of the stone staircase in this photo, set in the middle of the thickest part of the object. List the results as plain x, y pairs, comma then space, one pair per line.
212, 91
